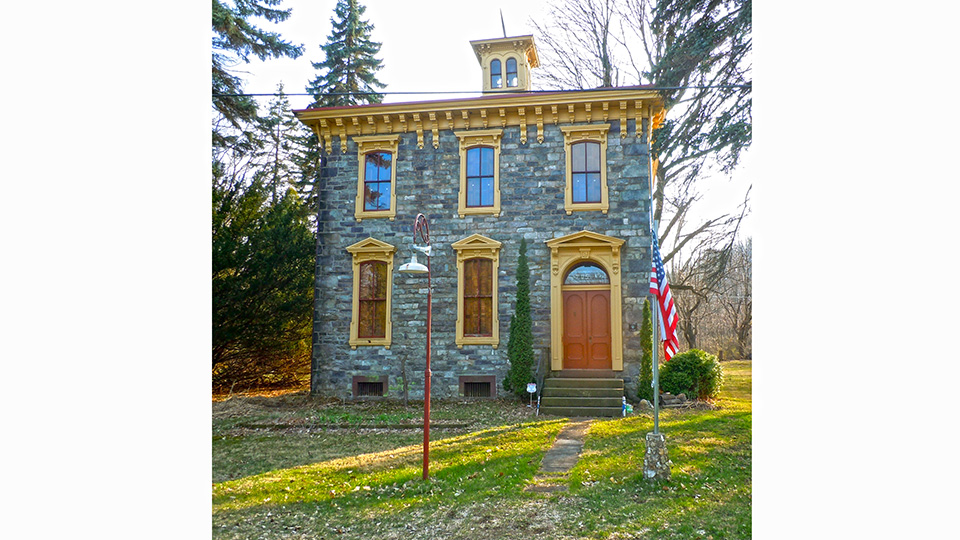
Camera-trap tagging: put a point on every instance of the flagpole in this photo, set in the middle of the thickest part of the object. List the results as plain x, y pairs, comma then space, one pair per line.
655, 350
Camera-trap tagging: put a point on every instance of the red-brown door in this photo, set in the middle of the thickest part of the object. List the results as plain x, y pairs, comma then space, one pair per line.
586, 330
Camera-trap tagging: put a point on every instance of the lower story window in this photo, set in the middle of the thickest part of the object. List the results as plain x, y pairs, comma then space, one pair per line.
478, 297
373, 299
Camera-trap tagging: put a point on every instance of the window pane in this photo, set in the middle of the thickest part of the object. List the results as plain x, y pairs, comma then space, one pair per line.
587, 274
486, 191
578, 157
383, 203
496, 81
485, 278
365, 326
380, 318
473, 192
370, 172
470, 284
579, 189
593, 187
373, 280
471, 316
378, 166
593, 156
486, 317
473, 162
386, 162
380, 289
486, 168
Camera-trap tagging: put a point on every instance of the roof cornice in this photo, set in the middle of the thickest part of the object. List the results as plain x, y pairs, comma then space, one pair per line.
501, 110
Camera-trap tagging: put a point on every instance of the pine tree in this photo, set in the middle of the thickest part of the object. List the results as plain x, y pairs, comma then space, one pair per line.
350, 64
520, 344
235, 40
284, 140
645, 380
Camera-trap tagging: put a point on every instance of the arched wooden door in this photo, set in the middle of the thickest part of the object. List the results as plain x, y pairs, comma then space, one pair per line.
586, 318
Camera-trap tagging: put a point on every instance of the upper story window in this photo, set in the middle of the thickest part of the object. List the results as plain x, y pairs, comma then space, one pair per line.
377, 179
586, 149
480, 177
479, 171
585, 172
511, 72
496, 74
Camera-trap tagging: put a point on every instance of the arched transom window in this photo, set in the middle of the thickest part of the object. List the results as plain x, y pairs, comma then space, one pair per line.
587, 273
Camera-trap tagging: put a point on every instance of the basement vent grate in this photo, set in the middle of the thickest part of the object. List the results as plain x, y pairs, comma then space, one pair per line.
476, 389
369, 389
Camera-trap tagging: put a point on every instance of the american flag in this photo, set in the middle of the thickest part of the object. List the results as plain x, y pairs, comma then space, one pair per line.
667, 314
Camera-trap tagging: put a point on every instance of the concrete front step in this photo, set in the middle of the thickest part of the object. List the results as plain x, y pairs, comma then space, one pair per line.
582, 412
582, 397
566, 401
582, 392
570, 382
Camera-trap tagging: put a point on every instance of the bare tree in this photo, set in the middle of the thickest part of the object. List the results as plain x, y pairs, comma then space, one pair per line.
577, 44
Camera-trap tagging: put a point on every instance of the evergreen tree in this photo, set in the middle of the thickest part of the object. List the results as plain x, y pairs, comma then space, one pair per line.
350, 64
348, 77
520, 344
235, 40
645, 380
284, 140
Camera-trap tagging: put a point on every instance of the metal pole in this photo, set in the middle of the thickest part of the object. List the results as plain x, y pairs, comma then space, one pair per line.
656, 370
656, 350
427, 374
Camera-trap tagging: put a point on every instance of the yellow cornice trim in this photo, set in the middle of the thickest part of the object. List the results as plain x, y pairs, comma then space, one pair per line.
487, 112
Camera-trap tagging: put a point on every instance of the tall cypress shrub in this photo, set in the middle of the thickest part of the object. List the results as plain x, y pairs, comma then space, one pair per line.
645, 379
520, 344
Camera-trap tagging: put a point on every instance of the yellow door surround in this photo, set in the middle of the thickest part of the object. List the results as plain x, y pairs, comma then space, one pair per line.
567, 251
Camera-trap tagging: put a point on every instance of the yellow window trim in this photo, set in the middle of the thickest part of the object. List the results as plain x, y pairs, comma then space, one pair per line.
473, 247
371, 249
376, 143
471, 139
576, 134
567, 251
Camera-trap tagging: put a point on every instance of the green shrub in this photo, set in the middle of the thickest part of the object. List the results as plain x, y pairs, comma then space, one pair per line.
695, 373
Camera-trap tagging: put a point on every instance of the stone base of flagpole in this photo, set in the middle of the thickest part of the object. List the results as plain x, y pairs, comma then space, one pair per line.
656, 464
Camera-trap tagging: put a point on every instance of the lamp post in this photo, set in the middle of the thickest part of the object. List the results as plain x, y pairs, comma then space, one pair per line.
421, 230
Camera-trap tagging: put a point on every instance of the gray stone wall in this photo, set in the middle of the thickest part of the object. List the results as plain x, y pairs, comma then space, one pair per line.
532, 203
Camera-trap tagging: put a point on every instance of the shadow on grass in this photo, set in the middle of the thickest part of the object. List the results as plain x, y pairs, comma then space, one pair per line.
469, 467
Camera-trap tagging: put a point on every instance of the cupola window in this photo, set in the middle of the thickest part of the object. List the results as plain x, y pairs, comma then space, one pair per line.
512, 72
496, 74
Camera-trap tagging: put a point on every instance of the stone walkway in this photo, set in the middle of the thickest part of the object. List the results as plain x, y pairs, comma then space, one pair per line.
561, 457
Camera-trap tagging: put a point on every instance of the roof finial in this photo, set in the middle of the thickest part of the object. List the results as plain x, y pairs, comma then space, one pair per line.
503, 25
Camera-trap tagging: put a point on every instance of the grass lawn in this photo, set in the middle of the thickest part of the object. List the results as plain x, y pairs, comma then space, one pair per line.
281, 469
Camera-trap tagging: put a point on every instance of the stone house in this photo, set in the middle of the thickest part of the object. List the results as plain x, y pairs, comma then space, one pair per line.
569, 171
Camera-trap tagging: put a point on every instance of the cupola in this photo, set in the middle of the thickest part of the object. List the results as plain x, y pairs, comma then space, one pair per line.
506, 63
